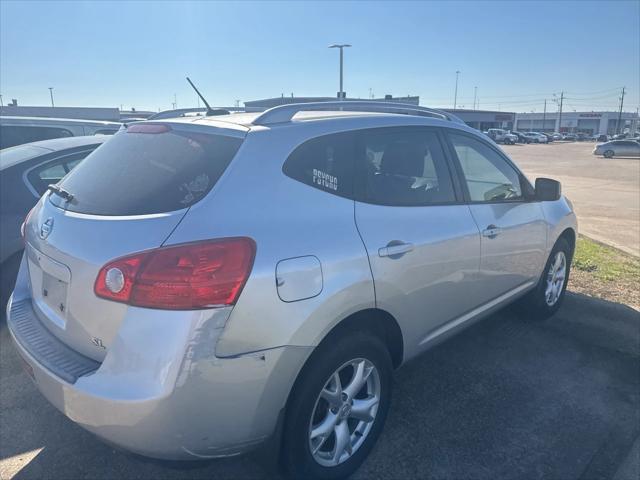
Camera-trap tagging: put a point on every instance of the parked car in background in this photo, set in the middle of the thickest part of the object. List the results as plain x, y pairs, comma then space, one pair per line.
499, 135
132, 119
603, 138
549, 137
570, 137
522, 138
25, 173
556, 136
162, 308
618, 148
18, 130
536, 137
583, 137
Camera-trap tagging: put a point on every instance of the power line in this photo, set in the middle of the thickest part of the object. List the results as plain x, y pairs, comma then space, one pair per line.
596, 92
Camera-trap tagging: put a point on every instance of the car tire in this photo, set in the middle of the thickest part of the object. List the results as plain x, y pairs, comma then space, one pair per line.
546, 298
317, 400
608, 154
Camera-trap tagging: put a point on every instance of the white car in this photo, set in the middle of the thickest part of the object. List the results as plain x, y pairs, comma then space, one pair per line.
20, 130
536, 137
499, 135
618, 148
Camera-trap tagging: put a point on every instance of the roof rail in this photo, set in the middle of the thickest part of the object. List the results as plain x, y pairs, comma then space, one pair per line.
284, 113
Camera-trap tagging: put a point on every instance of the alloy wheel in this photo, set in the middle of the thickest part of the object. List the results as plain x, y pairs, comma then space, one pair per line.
344, 412
555, 279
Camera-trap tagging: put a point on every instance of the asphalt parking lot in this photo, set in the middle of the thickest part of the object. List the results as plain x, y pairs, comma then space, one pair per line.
604, 192
509, 398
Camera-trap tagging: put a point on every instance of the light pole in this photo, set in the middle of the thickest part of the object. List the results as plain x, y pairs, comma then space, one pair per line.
475, 95
51, 94
341, 94
455, 95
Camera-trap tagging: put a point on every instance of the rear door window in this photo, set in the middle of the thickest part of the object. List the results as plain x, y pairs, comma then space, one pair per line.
404, 167
148, 169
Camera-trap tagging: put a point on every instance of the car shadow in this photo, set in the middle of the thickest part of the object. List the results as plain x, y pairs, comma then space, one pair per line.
509, 397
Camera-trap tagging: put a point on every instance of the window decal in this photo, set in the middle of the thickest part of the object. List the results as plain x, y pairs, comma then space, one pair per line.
325, 180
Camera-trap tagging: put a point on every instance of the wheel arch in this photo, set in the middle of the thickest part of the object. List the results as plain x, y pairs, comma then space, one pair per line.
379, 322
569, 235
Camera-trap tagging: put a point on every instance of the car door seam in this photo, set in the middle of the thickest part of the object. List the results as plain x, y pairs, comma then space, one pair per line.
373, 280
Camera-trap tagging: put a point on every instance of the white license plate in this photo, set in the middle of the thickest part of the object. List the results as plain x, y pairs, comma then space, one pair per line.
54, 293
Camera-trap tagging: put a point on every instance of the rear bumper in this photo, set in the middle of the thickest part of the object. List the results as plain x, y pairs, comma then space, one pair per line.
169, 396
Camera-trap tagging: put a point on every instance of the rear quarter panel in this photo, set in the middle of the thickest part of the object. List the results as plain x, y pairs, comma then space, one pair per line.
287, 219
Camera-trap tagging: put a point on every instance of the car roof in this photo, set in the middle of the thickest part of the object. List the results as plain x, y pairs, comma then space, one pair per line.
44, 147
8, 119
56, 144
244, 121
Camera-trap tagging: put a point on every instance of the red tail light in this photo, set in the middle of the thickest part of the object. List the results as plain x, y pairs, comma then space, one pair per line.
181, 277
148, 128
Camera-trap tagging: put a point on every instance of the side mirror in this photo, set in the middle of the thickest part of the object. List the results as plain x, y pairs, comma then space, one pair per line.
548, 190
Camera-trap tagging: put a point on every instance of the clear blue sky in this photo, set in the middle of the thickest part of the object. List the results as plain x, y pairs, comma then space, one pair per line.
138, 53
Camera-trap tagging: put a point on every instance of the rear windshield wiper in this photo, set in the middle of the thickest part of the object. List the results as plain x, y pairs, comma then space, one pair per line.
61, 192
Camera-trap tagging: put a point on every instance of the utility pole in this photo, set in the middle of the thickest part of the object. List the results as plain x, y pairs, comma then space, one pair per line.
1, 104
175, 101
475, 95
341, 94
544, 115
455, 95
560, 114
51, 94
620, 111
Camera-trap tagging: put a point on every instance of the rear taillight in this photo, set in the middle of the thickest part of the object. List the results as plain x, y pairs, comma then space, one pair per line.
182, 277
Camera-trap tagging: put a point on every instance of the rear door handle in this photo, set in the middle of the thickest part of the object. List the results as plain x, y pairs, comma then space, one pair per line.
492, 231
392, 250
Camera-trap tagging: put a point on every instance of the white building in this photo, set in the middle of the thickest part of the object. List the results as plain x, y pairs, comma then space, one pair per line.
587, 122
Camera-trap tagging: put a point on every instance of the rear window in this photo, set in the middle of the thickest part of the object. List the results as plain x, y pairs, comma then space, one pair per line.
145, 173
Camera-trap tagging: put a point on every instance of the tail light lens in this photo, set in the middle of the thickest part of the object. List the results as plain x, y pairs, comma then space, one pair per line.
182, 277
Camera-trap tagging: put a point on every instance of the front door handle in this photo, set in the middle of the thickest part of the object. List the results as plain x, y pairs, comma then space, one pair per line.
492, 231
395, 250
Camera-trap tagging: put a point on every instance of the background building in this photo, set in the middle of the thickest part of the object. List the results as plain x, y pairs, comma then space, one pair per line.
81, 113
260, 105
587, 122
480, 119
485, 119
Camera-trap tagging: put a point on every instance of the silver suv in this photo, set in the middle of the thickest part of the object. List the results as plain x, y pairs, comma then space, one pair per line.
199, 286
